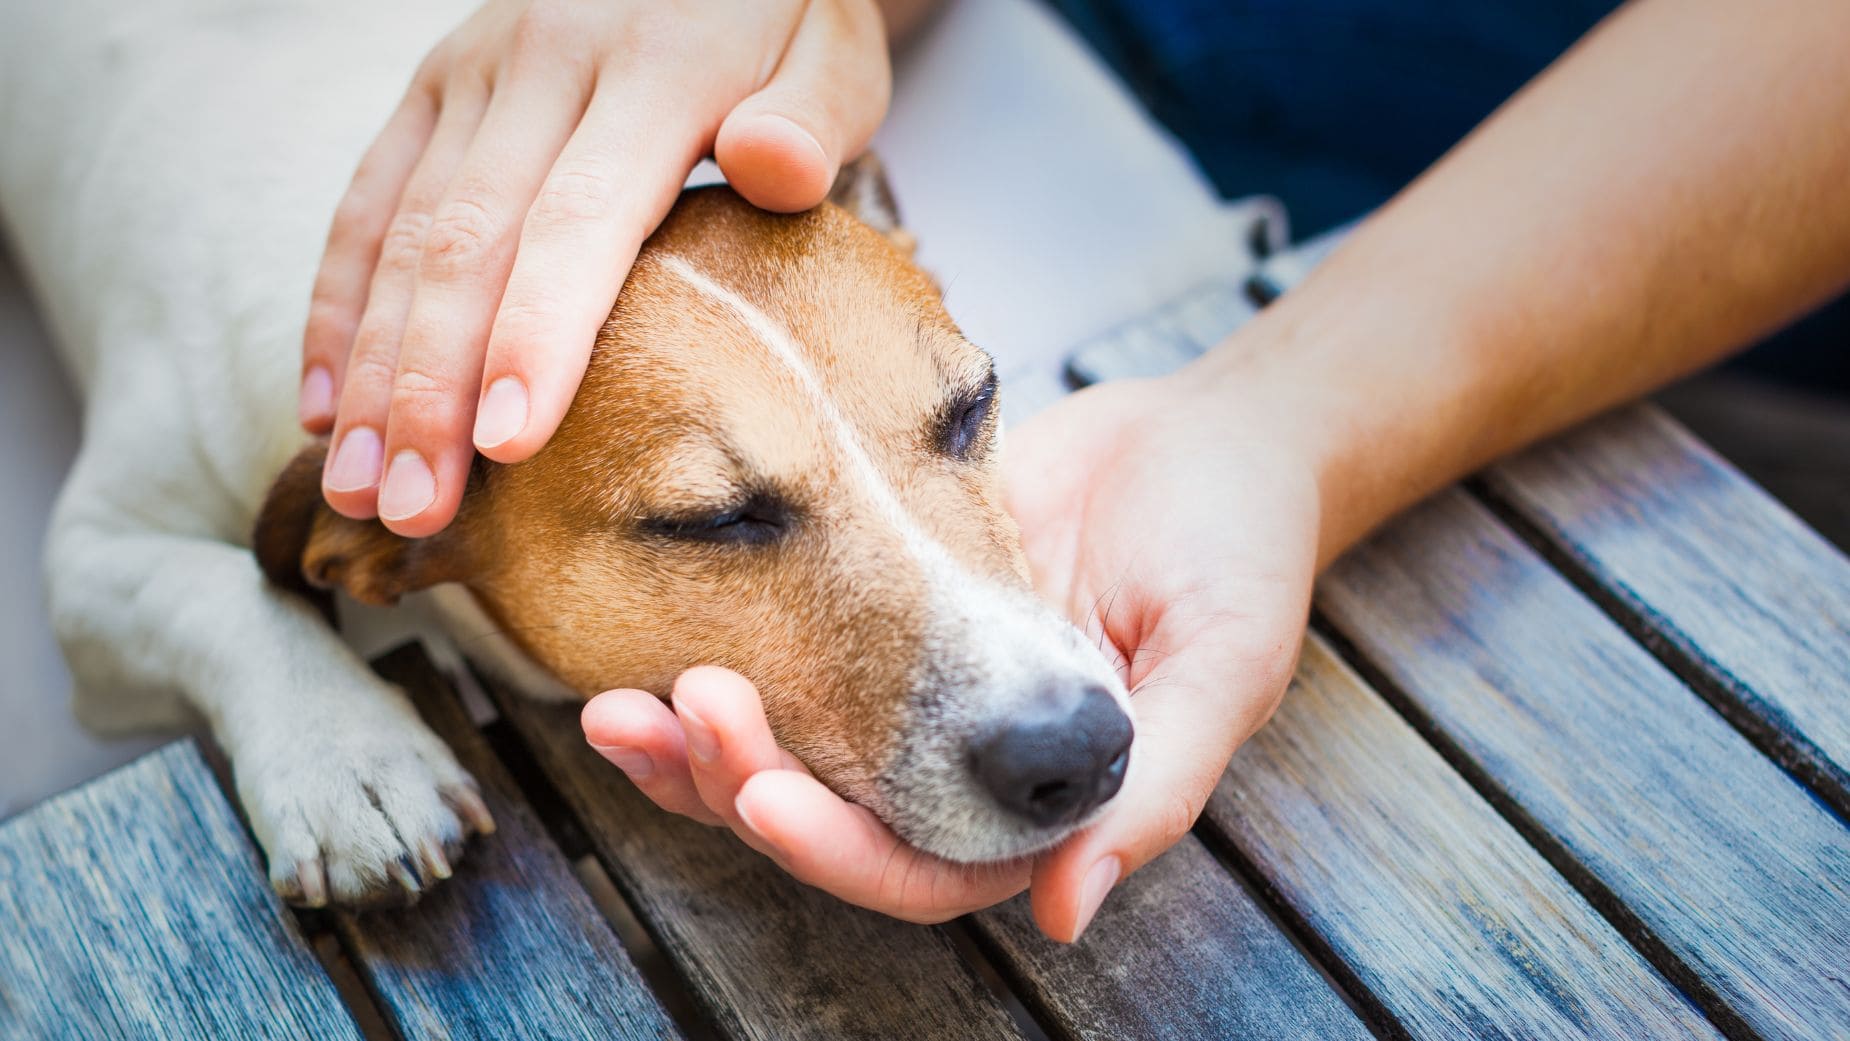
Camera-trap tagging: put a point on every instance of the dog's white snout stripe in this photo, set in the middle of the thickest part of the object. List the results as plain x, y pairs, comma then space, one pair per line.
999, 643
785, 349
1011, 639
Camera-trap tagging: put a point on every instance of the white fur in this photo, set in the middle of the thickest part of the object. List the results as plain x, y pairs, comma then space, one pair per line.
484, 643
166, 180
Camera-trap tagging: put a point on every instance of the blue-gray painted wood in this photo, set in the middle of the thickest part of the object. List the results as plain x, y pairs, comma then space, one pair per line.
766, 956
1434, 910
1163, 340
134, 907
1718, 862
1180, 951
511, 946
1746, 603
1431, 904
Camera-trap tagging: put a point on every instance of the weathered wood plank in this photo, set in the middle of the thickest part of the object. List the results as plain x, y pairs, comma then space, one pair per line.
135, 907
1163, 340
768, 957
1434, 905
511, 946
1723, 866
1749, 605
1180, 951
1432, 908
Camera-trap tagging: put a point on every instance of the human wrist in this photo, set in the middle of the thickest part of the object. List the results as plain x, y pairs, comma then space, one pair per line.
1364, 392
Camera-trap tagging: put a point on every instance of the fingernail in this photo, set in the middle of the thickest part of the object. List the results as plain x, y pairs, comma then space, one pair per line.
1099, 880
357, 460
738, 807
701, 741
804, 135
632, 761
503, 413
408, 487
317, 398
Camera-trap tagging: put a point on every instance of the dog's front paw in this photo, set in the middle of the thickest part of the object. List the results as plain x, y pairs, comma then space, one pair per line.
361, 811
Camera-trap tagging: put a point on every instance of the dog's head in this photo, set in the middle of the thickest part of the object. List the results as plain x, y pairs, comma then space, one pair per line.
783, 459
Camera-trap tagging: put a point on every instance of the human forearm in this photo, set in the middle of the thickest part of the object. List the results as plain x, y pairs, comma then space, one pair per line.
1671, 189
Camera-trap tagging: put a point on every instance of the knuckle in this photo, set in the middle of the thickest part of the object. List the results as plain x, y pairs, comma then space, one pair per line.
330, 320
653, 35
573, 195
523, 322
415, 384
458, 240
353, 214
545, 24
420, 395
371, 371
403, 243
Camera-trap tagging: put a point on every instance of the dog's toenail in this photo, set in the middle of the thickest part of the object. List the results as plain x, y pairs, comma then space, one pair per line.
431, 856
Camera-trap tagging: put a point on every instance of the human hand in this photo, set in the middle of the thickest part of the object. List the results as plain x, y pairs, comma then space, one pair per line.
1179, 529
1182, 540
711, 757
482, 241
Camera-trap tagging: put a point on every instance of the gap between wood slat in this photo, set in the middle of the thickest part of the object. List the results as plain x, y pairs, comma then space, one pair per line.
349, 983
1014, 991
316, 927
1034, 1024
1342, 980
554, 815
659, 971
1603, 900
1799, 758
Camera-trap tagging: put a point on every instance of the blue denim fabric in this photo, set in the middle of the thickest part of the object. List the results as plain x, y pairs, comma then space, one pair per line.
1334, 105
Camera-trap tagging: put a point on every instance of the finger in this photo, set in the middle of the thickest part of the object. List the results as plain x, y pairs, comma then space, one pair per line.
782, 146
360, 220
728, 738
845, 850
351, 479
640, 735
612, 185
1187, 729
468, 252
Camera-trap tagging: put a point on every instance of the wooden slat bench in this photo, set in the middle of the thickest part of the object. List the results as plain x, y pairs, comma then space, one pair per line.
1565, 758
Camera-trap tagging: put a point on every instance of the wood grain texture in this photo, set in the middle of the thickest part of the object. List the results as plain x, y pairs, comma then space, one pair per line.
767, 956
1747, 603
511, 946
1181, 950
134, 907
1434, 905
1729, 872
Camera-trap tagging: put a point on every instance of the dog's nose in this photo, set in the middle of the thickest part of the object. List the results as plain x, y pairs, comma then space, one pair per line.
1058, 758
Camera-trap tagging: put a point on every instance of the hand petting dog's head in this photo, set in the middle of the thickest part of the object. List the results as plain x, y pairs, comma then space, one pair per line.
782, 459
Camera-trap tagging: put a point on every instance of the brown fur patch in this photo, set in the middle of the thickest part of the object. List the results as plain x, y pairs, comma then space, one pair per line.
683, 412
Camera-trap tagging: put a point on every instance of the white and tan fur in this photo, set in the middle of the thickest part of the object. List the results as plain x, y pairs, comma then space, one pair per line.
172, 221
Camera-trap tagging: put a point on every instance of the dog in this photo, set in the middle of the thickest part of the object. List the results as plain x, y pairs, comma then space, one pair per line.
782, 459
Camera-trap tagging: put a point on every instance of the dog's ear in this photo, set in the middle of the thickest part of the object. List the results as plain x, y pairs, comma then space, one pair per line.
862, 189
304, 546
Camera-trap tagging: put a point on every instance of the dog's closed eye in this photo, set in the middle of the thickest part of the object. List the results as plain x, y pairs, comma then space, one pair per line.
756, 521
966, 418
